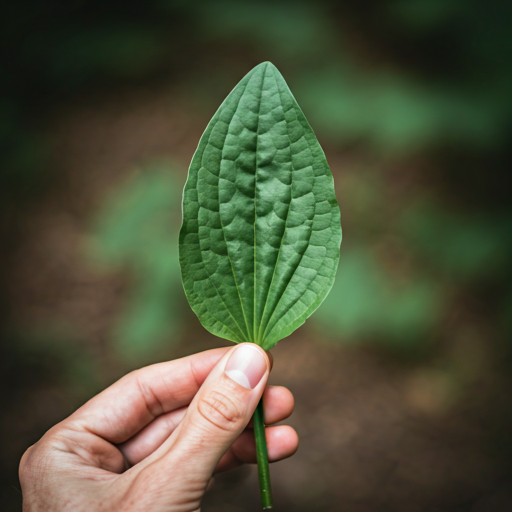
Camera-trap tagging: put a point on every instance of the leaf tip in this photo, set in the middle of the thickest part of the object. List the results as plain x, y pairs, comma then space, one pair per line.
266, 64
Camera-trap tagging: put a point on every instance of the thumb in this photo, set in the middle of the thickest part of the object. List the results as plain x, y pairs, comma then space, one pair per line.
221, 410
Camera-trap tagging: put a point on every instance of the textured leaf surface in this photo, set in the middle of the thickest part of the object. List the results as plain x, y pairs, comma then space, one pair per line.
261, 233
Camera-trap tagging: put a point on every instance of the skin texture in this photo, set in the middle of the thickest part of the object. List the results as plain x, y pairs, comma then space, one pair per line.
152, 441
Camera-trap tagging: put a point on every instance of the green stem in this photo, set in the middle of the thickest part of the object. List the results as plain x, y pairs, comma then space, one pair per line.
262, 457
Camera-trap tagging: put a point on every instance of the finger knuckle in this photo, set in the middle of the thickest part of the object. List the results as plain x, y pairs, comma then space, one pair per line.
219, 410
152, 402
24, 468
38, 459
32, 465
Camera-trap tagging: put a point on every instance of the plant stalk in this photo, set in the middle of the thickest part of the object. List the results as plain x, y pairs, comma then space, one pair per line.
262, 457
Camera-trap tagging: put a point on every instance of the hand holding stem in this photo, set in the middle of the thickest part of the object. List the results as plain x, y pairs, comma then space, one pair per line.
152, 441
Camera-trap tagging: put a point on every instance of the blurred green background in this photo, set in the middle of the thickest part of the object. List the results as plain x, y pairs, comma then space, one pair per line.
403, 377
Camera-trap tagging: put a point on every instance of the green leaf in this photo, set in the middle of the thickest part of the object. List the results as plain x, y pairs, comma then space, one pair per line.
261, 233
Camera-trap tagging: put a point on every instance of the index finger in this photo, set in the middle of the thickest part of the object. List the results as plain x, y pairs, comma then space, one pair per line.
131, 403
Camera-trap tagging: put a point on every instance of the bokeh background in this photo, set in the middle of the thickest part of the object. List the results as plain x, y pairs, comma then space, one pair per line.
402, 378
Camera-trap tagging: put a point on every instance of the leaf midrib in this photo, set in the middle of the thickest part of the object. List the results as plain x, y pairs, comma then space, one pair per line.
285, 225
256, 204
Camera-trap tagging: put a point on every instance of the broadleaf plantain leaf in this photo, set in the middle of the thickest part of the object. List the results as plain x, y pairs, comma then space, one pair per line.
261, 233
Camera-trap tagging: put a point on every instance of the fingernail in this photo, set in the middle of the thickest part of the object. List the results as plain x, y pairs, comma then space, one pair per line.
246, 366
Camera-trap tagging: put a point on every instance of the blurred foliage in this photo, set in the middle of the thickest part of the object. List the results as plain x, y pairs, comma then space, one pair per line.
398, 114
123, 51
462, 247
53, 355
299, 31
137, 229
366, 303
392, 108
396, 78
411, 101
369, 300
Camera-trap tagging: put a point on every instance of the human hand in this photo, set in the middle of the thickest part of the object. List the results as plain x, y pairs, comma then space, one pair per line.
152, 441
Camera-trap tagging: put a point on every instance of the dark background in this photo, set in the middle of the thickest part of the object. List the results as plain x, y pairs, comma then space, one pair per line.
402, 378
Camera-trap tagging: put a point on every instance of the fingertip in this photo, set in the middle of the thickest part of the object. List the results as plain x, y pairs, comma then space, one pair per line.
282, 442
247, 364
279, 404
268, 356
